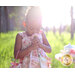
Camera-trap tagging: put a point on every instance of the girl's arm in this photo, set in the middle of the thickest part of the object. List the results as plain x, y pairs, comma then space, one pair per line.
45, 46
18, 46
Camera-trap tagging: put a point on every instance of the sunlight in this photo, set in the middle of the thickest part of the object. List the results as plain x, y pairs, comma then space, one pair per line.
56, 13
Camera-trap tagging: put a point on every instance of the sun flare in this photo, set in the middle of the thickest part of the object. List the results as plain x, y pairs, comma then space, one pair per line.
56, 14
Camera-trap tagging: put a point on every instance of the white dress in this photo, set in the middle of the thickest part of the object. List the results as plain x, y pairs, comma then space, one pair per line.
37, 58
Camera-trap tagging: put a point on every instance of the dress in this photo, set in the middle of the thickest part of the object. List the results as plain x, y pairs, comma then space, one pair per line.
37, 58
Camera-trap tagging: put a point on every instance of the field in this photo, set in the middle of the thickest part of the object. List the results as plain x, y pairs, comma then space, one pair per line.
57, 42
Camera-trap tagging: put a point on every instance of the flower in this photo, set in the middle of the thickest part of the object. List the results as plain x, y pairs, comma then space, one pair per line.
72, 51
15, 64
24, 24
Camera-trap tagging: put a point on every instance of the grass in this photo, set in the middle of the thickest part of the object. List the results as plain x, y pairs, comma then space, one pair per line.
57, 42
6, 48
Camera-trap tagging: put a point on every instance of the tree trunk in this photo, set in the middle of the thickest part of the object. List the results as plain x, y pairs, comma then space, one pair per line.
6, 17
72, 25
4, 27
0, 19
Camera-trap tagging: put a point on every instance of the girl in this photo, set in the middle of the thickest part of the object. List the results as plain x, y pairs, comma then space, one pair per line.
31, 45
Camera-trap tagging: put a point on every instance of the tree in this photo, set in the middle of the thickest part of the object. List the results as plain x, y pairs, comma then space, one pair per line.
0, 19
60, 29
0, 22
4, 25
54, 29
7, 19
11, 18
72, 26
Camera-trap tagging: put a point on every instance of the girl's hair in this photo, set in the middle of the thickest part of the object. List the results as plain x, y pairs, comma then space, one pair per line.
33, 12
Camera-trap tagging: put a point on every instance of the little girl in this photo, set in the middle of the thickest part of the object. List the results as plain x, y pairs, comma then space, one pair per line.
31, 45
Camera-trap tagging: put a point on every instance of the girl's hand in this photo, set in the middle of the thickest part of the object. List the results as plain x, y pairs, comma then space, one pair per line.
34, 47
36, 41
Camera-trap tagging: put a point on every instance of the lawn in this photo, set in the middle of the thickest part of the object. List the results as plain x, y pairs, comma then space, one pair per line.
57, 42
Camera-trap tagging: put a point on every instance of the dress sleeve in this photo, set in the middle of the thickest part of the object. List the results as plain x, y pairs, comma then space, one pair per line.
21, 34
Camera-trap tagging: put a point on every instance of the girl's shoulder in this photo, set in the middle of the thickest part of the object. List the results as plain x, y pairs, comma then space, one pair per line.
42, 32
22, 34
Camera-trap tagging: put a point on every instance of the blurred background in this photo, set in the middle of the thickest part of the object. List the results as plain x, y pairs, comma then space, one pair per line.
58, 24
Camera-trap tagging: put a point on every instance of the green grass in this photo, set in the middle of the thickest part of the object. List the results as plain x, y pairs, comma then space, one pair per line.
6, 48
57, 42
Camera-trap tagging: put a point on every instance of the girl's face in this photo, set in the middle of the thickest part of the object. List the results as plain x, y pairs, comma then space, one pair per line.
33, 26
33, 22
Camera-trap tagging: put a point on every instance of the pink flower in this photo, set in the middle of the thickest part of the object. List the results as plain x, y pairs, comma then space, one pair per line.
72, 51
13, 63
24, 41
35, 53
40, 31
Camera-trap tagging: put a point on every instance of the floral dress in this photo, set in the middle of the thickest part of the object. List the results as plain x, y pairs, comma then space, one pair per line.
36, 58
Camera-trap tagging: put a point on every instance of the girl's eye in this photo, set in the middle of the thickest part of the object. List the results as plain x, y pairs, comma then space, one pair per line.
31, 27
